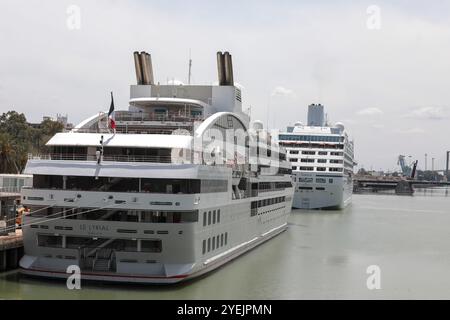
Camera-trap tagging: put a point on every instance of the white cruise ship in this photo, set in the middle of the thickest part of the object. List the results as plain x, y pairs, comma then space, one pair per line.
322, 162
173, 187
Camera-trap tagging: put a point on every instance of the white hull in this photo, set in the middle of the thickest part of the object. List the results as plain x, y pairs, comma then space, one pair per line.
336, 195
136, 278
181, 257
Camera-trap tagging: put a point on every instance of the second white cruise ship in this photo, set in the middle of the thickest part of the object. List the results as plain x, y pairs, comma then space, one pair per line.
322, 162
173, 187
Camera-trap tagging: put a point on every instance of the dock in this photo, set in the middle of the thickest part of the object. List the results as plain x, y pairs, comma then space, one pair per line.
11, 250
11, 240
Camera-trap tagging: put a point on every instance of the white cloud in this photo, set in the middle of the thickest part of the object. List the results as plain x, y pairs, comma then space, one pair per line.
370, 112
431, 113
283, 92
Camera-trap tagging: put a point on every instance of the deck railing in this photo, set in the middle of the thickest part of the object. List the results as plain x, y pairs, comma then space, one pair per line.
145, 116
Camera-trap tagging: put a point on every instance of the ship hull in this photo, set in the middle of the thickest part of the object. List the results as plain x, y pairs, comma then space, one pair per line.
146, 279
335, 193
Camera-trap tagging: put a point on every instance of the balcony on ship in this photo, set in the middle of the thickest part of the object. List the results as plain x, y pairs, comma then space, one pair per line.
162, 120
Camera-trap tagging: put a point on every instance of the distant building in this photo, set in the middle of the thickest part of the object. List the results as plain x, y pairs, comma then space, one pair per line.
63, 119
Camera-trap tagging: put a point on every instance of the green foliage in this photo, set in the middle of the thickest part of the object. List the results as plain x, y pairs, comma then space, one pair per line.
18, 138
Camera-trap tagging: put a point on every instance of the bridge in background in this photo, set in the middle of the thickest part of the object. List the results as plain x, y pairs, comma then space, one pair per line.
401, 186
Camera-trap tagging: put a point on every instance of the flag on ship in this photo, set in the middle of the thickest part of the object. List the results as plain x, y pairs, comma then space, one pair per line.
111, 114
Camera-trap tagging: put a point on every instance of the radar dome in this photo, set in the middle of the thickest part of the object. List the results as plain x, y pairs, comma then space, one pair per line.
340, 126
258, 125
298, 124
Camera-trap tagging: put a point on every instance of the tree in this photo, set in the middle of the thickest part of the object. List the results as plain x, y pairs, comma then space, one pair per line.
7, 155
362, 172
18, 138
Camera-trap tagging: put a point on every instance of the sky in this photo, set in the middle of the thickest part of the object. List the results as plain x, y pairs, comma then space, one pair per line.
380, 67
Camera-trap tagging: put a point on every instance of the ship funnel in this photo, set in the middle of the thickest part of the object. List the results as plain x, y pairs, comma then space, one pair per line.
144, 68
225, 69
316, 117
137, 65
229, 69
221, 68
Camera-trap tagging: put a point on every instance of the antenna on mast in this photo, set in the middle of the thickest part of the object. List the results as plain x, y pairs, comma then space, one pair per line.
190, 67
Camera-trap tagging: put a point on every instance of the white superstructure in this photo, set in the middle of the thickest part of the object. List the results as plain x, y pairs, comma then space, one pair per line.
174, 192
322, 162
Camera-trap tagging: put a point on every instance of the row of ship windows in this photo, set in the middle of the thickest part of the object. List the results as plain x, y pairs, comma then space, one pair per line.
318, 169
310, 188
268, 211
310, 145
214, 243
120, 184
320, 153
310, 180
122, 245
209, 218
145, 216
267, 202
273, 186
311, 138
59, 256
263, 203
314, 160
128, 231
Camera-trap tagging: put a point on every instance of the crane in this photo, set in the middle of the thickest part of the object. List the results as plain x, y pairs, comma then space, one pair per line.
407, 170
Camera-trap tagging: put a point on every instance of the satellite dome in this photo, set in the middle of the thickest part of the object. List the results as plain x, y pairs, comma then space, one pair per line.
258, 125
340, 126
298, 124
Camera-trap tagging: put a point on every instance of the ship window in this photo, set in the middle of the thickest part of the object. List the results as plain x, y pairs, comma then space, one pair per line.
322, 160
323, 153
209, 244
128, 245
47, 182
330, 180
320, 188
218, 216
214, 243
204, 247
221, 240
209, 218
321, 180
204, 218
49, 241
214, 216
151, 245
321, 169
208, 186
169, 217
217, 241
226, 238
